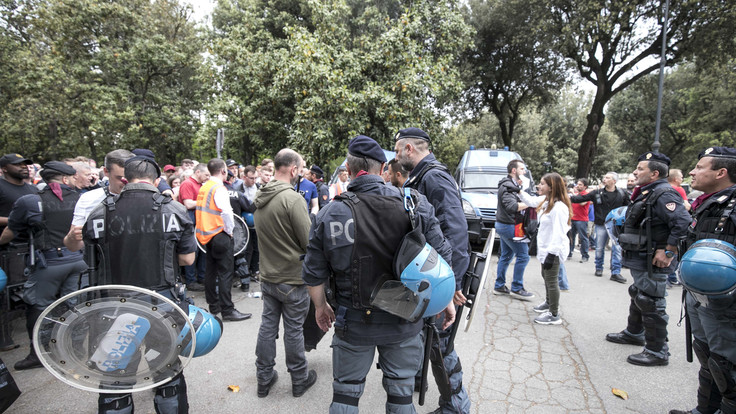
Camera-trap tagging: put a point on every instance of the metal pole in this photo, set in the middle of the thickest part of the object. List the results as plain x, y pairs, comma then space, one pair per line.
662, 61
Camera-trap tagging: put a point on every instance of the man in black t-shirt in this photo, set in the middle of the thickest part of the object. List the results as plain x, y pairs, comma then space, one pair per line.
12, 187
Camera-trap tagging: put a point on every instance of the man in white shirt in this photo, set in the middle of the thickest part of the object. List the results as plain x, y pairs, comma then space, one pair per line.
114, 169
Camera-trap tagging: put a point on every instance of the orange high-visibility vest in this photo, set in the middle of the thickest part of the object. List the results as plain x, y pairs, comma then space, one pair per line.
208, 215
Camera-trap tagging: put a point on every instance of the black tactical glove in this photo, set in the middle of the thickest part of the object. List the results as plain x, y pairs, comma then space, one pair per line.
241, 268
548, 261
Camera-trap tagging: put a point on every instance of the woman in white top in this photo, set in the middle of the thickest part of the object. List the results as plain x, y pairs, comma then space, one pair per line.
553, 246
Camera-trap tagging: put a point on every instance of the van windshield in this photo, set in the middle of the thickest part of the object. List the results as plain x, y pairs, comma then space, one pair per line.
490, 158
481, 181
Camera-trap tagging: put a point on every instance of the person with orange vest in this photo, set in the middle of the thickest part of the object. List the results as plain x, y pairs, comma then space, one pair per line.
214, 229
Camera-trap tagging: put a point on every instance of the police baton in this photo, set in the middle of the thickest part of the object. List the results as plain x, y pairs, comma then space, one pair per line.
688, 331
428, 338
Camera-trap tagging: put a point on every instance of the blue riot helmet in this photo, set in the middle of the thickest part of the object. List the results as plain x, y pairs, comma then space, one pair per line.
207, 331
3, 279
615, 222
709, 268
248, 217
429, 267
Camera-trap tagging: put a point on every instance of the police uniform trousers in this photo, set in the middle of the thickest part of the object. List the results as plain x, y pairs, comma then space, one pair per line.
218, 280
399, 362
459, 401
59, 277
714, 344
648, 312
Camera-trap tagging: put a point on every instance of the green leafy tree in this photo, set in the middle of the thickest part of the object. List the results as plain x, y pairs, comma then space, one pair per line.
615, 43
313, 74
699, 106
511, 64
90, 76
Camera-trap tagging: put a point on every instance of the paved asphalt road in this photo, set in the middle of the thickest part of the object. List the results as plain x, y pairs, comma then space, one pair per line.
511, 365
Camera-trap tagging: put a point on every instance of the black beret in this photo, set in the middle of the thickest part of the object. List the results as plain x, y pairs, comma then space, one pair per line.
363, 146
146, 159
411, 133
315, 169
13, 159
655, 156
57, 167
144, 153
230, 162
718, 152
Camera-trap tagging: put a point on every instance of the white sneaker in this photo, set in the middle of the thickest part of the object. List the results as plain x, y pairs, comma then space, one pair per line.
548, 319
542, 307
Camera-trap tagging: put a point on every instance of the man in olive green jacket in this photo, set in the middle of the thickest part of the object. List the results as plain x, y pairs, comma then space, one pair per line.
282, 223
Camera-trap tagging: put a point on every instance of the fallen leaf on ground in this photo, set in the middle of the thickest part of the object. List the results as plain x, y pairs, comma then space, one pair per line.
233, 388
620, 393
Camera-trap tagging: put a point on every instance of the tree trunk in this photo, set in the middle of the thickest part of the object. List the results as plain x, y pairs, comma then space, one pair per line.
589, 142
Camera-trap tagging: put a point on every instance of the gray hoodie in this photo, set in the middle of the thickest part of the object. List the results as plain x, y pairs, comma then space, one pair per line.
282, 223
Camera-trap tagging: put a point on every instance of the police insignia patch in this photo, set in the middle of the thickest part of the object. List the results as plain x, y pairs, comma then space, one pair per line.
670, 206
324, 197
708, 151
649, 155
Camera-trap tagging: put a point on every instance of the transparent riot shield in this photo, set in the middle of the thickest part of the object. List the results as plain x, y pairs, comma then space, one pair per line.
114, 339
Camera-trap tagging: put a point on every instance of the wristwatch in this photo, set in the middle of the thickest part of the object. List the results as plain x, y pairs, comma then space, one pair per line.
670, 254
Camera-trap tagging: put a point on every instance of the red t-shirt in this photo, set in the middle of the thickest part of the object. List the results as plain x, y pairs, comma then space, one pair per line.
580, 210
189, 189
681, 191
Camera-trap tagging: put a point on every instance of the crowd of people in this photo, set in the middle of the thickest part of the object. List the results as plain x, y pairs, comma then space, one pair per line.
218, 225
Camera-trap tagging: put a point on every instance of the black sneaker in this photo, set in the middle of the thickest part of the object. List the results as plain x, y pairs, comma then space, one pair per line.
195, 287
297, 390
522, 294
503, 290
599, 272
244, 287
584, 260
264, 389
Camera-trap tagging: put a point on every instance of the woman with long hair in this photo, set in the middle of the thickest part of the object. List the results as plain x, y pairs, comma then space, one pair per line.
553, 246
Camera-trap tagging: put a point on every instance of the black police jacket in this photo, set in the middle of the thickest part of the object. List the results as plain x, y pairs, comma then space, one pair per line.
330, 254
668, 225
441, 190
707, 218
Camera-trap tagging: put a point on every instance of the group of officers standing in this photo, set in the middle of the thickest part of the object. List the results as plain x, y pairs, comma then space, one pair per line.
130, 218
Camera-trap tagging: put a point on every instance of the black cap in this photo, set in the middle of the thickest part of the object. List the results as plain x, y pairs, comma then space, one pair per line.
230, 162
718, 152
144, 153
655, 156
58, 167
363, 146
146, 159
315, 169
13, 159
411, 133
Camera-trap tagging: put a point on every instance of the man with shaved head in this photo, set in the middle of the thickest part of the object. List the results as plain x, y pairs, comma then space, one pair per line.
282, 223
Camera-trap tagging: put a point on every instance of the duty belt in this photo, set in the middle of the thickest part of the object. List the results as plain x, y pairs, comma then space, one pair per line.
57, 252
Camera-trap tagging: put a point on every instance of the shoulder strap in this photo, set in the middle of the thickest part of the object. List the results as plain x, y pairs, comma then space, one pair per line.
726, 213
348, 197
160, 199
109, 200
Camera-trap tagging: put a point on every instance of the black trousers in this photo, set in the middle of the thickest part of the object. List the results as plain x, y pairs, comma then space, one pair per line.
218, 278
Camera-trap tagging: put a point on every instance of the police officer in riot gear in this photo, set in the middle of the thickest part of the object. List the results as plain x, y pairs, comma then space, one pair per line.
433, 180
712, 321
45, 218
144, 237
655, 223
346, 244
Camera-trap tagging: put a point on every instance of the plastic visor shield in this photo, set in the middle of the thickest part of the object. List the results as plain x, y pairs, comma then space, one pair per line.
615, 222
709, 267
115, 338
431, 282
3, 279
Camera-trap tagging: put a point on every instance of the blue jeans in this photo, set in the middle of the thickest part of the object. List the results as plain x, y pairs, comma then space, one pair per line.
290, 303
562, 277
195, 272
601, 238
579, 228
509, 249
